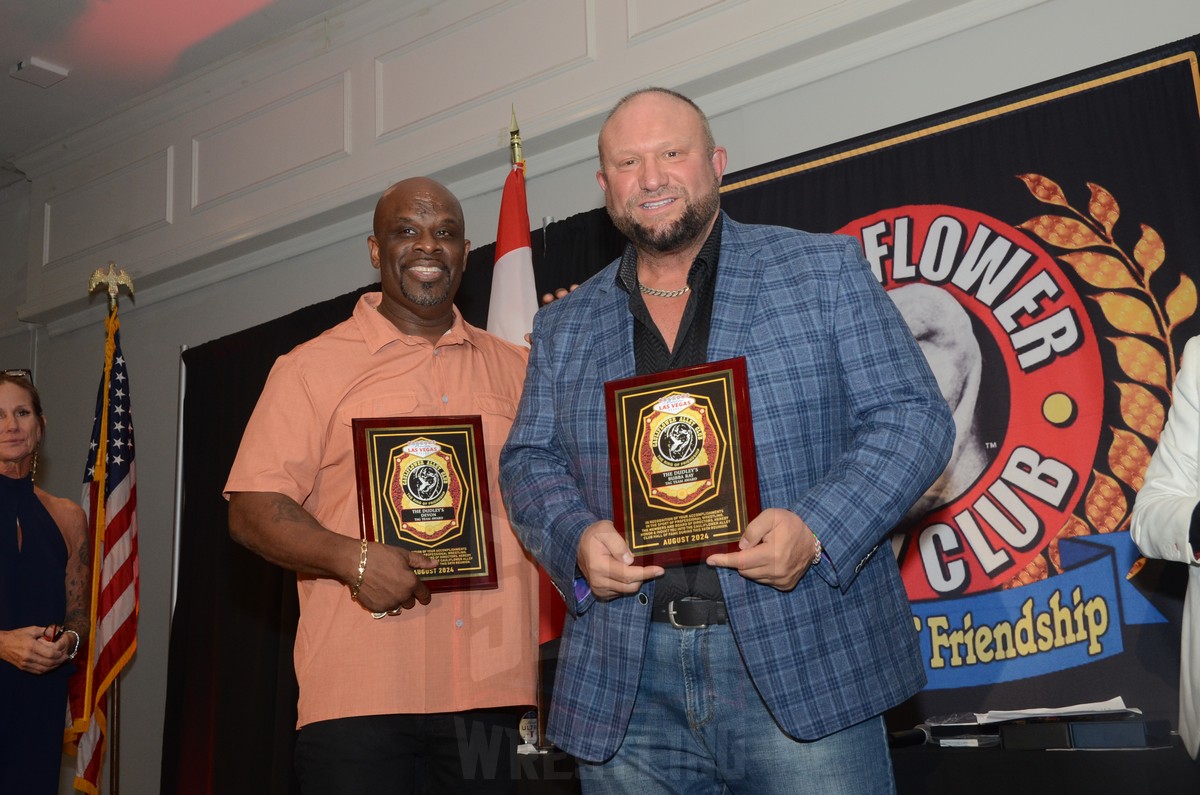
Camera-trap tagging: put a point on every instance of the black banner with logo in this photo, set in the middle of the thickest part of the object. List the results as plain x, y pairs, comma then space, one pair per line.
1043, 247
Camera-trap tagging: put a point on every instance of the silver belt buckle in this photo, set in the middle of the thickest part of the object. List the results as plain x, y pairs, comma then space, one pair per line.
671, 616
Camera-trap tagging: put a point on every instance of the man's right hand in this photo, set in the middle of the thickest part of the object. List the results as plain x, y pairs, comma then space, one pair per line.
389, 583
607, 564
282, 531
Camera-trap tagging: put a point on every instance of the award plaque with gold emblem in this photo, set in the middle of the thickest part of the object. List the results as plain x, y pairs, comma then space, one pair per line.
422, 485
684, 477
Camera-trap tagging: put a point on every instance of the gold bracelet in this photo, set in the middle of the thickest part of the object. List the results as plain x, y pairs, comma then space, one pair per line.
362, 568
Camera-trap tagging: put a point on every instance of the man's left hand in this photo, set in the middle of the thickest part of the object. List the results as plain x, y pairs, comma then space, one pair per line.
559, 292
776, 549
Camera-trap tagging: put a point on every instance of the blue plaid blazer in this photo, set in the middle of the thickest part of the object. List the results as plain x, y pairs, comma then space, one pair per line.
849, 430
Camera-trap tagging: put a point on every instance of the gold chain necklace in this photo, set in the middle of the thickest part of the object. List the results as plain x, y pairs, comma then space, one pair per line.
664, 293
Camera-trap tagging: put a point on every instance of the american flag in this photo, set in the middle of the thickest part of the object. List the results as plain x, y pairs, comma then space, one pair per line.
113, 526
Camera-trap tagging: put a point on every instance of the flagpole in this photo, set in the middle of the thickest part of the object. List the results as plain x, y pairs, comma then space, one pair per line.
111, 281
511, 308
516, 158
114, 737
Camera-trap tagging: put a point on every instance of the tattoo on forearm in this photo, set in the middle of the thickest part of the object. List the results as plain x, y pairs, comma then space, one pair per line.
288, 511
79, 591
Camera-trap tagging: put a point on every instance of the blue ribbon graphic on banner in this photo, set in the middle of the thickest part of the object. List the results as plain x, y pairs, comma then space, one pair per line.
1058, 623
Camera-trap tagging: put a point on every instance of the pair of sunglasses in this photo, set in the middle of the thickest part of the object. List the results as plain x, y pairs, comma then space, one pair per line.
20, 373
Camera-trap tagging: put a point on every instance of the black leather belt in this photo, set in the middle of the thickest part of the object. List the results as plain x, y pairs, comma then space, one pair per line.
691, 613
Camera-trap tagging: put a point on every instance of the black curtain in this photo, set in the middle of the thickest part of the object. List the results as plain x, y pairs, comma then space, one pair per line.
231, 687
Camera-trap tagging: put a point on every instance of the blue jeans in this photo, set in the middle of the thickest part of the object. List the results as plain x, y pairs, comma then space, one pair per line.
699, 726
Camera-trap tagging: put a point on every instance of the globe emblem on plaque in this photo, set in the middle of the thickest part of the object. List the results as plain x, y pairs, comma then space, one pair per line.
425, 484
677, 441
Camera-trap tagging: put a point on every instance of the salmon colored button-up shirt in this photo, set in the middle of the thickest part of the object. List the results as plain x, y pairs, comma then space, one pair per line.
466, 649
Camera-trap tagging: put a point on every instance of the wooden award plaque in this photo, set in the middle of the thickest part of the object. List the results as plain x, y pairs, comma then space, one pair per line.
681, 447
422, 485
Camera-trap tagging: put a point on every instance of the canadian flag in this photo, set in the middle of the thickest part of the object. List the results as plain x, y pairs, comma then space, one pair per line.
514, 295
510, 315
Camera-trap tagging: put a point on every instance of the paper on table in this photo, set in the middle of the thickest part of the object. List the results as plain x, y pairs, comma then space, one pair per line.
1114, 706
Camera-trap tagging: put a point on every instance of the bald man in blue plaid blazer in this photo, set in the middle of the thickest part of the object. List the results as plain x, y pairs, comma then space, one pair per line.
849, 429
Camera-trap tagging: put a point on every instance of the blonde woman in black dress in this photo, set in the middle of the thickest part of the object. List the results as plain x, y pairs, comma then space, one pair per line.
44, 592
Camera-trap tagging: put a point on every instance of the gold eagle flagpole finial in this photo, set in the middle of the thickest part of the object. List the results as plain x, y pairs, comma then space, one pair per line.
112, 279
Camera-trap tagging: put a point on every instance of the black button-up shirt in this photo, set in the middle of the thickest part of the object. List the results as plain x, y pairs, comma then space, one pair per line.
651, 355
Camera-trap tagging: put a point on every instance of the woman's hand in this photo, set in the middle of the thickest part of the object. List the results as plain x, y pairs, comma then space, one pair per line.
28, 650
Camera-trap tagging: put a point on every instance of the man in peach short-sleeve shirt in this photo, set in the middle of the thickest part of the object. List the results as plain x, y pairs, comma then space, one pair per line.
433, 690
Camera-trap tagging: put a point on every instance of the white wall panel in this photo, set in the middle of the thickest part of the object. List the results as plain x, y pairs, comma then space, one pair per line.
298, 132
652, 17
427, 78
100, 214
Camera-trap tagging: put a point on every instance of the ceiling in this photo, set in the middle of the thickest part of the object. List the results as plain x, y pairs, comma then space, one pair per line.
116, 51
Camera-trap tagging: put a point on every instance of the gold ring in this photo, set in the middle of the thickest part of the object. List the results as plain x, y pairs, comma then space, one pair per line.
395, 612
